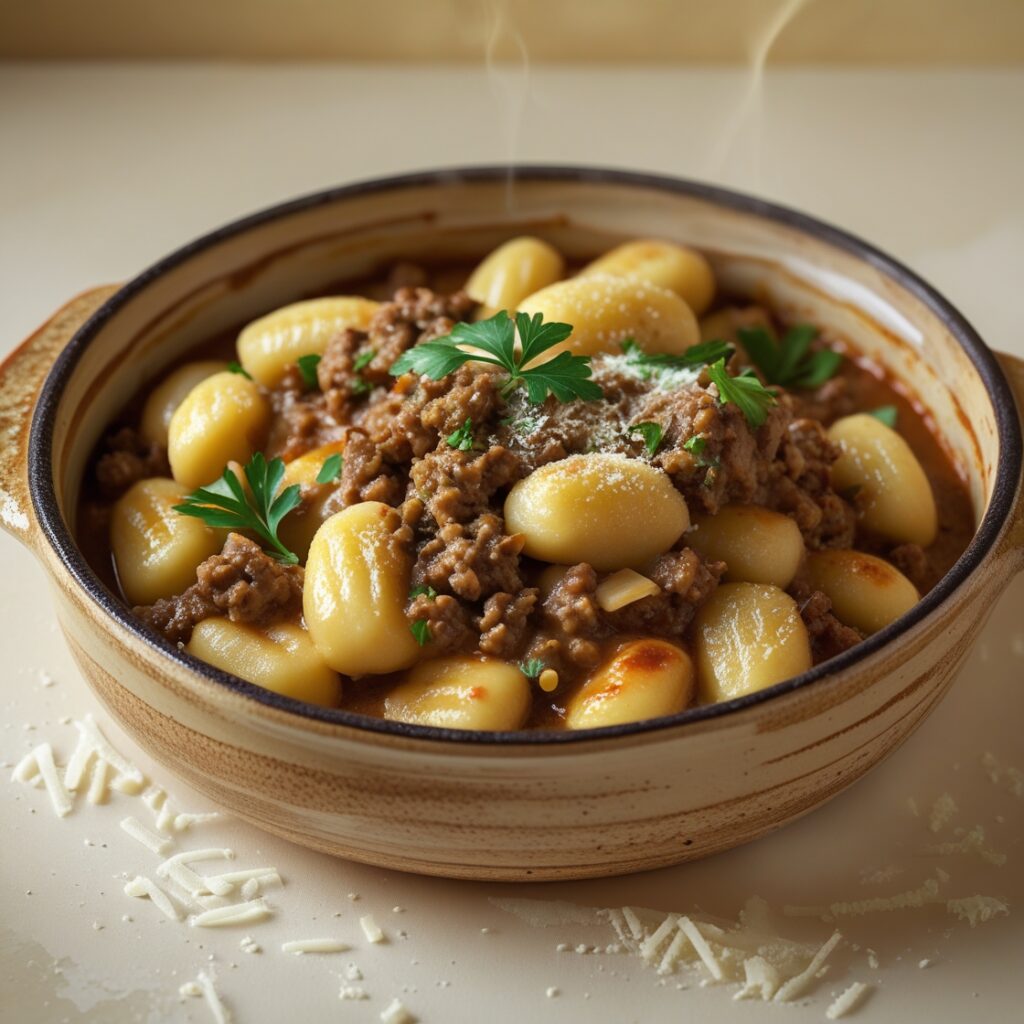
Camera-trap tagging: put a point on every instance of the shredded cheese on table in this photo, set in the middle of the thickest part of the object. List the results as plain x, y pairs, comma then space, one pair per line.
142, 887
139, 832
301, 946
846, 1001
396, 1013
213, 1001
796, 986
371, 929
692, 932
234, 913
40, 763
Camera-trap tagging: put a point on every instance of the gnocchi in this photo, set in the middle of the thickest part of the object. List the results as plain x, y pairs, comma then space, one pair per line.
866, 592
604, 311
643, 679
513, 271
585, 509
461, 692
749, 636
889, 485
757, 544
297, 531
222, 419
280, 657
675, 267
155, 550
170, 393
355, 589
268, 346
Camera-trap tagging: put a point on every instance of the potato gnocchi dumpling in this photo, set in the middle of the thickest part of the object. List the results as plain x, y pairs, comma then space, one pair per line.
441, 513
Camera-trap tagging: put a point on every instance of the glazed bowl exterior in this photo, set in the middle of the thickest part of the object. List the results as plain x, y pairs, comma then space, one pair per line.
515, 806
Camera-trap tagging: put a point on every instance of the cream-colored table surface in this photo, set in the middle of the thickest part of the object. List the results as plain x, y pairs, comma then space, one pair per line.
105, 168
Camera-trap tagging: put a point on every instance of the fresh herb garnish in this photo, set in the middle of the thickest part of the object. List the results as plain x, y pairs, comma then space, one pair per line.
566, 376
695, 446
651, 433
696, 355
307, 367
888, 414
744, 391
532, 668
422, 590
363, 360
226, 505
361, 386
330, 470
462, 439
789, 362
420, 630
236, 367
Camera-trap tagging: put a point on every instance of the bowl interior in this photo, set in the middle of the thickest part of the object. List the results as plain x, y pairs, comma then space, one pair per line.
301, 249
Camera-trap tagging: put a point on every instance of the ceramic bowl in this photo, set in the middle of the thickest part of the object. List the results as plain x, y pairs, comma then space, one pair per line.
515, 806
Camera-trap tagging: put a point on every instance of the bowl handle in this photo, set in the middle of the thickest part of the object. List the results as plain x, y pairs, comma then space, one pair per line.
1014, 370
21, 375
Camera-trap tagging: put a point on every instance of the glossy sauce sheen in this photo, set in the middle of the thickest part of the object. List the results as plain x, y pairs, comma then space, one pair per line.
867, 388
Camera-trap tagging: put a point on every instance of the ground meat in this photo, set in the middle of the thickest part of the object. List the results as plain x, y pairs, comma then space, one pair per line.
365, 476
472, 561
459, 486
451, 625
242, 582
301, 420
828, 635
504, 622
128, 458
912, 561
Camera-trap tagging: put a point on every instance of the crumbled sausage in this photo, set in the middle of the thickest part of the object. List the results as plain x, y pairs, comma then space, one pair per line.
126, 460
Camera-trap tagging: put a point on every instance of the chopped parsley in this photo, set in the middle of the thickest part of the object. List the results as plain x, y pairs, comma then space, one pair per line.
307, 367
744, 391
652, 434
789, 361
462, 439
695, 356
695, 446
225, 504
532, 668
420, 630
566, 376
330, 470
888, 414
361, 386
363, 360
422, 590
236, 367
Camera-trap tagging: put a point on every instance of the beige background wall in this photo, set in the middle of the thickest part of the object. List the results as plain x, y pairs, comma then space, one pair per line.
848, 31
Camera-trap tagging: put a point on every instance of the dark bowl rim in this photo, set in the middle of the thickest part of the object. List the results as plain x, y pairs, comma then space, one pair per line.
58, 535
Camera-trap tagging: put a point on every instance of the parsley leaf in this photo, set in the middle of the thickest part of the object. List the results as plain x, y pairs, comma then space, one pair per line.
462, 439
420, 630
236, 367
363, 360
422, 590
307, 367
226, 505
330, 470
888, 414
789, 362
651, 433
361, 386
696, 355
744, 391
566, 376
532, 668
695, 446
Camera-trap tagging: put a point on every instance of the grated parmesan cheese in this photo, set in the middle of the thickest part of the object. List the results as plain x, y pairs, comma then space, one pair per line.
977, 909
396, 1013
301, 946
969, 842
190, 990
142, 887
700, 945
760, 978
1003, 775
796, 986
352, 992
234, 913
213, 1001
846, 1001
139, 832
943, 811
40, 763
371, 929
99, 784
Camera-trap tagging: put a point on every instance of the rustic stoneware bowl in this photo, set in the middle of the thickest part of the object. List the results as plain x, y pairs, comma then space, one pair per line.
516, 806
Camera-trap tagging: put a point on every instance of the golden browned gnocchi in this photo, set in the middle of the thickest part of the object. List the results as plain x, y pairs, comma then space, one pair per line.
224, 418
465, 692
675, 267
280, 657
643, 679
519, 494
354, 595
582, 509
